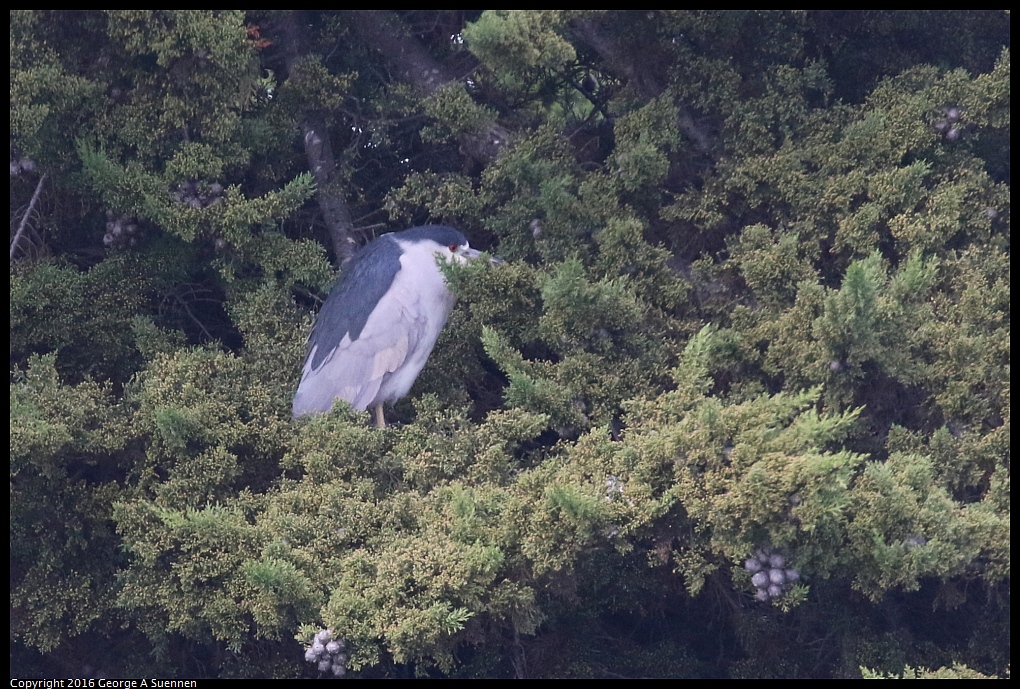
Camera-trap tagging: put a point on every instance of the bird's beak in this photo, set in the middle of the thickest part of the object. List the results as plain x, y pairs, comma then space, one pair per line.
472, 254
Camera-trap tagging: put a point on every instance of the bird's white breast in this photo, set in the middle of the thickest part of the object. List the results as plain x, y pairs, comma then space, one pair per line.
426, 302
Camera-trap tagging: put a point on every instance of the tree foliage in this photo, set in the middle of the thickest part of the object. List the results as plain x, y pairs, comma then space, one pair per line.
755, 299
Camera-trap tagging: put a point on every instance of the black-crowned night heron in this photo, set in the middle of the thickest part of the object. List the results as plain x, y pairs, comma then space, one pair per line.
378, 326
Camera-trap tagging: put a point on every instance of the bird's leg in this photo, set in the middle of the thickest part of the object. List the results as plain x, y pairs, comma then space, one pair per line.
380, 420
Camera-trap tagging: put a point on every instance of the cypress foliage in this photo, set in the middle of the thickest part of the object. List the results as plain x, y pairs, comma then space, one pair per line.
735, 405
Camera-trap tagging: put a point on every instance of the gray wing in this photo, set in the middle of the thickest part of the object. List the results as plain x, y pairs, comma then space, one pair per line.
355, 369
363, 284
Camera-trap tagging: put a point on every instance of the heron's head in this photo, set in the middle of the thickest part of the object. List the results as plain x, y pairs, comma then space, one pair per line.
444, 242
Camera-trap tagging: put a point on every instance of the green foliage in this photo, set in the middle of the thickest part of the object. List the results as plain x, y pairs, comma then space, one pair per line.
755, 298
67, 445
513, 41
85, 317
455, 112
954, 672
907, 528
644, 140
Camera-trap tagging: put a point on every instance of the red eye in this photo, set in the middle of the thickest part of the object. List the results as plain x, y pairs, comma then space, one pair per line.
453, 248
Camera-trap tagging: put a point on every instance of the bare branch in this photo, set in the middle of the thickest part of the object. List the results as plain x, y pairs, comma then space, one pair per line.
24, 218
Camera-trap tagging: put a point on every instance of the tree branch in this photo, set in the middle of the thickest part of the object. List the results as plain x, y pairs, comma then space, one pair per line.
414, 65
319, 151
24, 218
401, 49
638, 69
